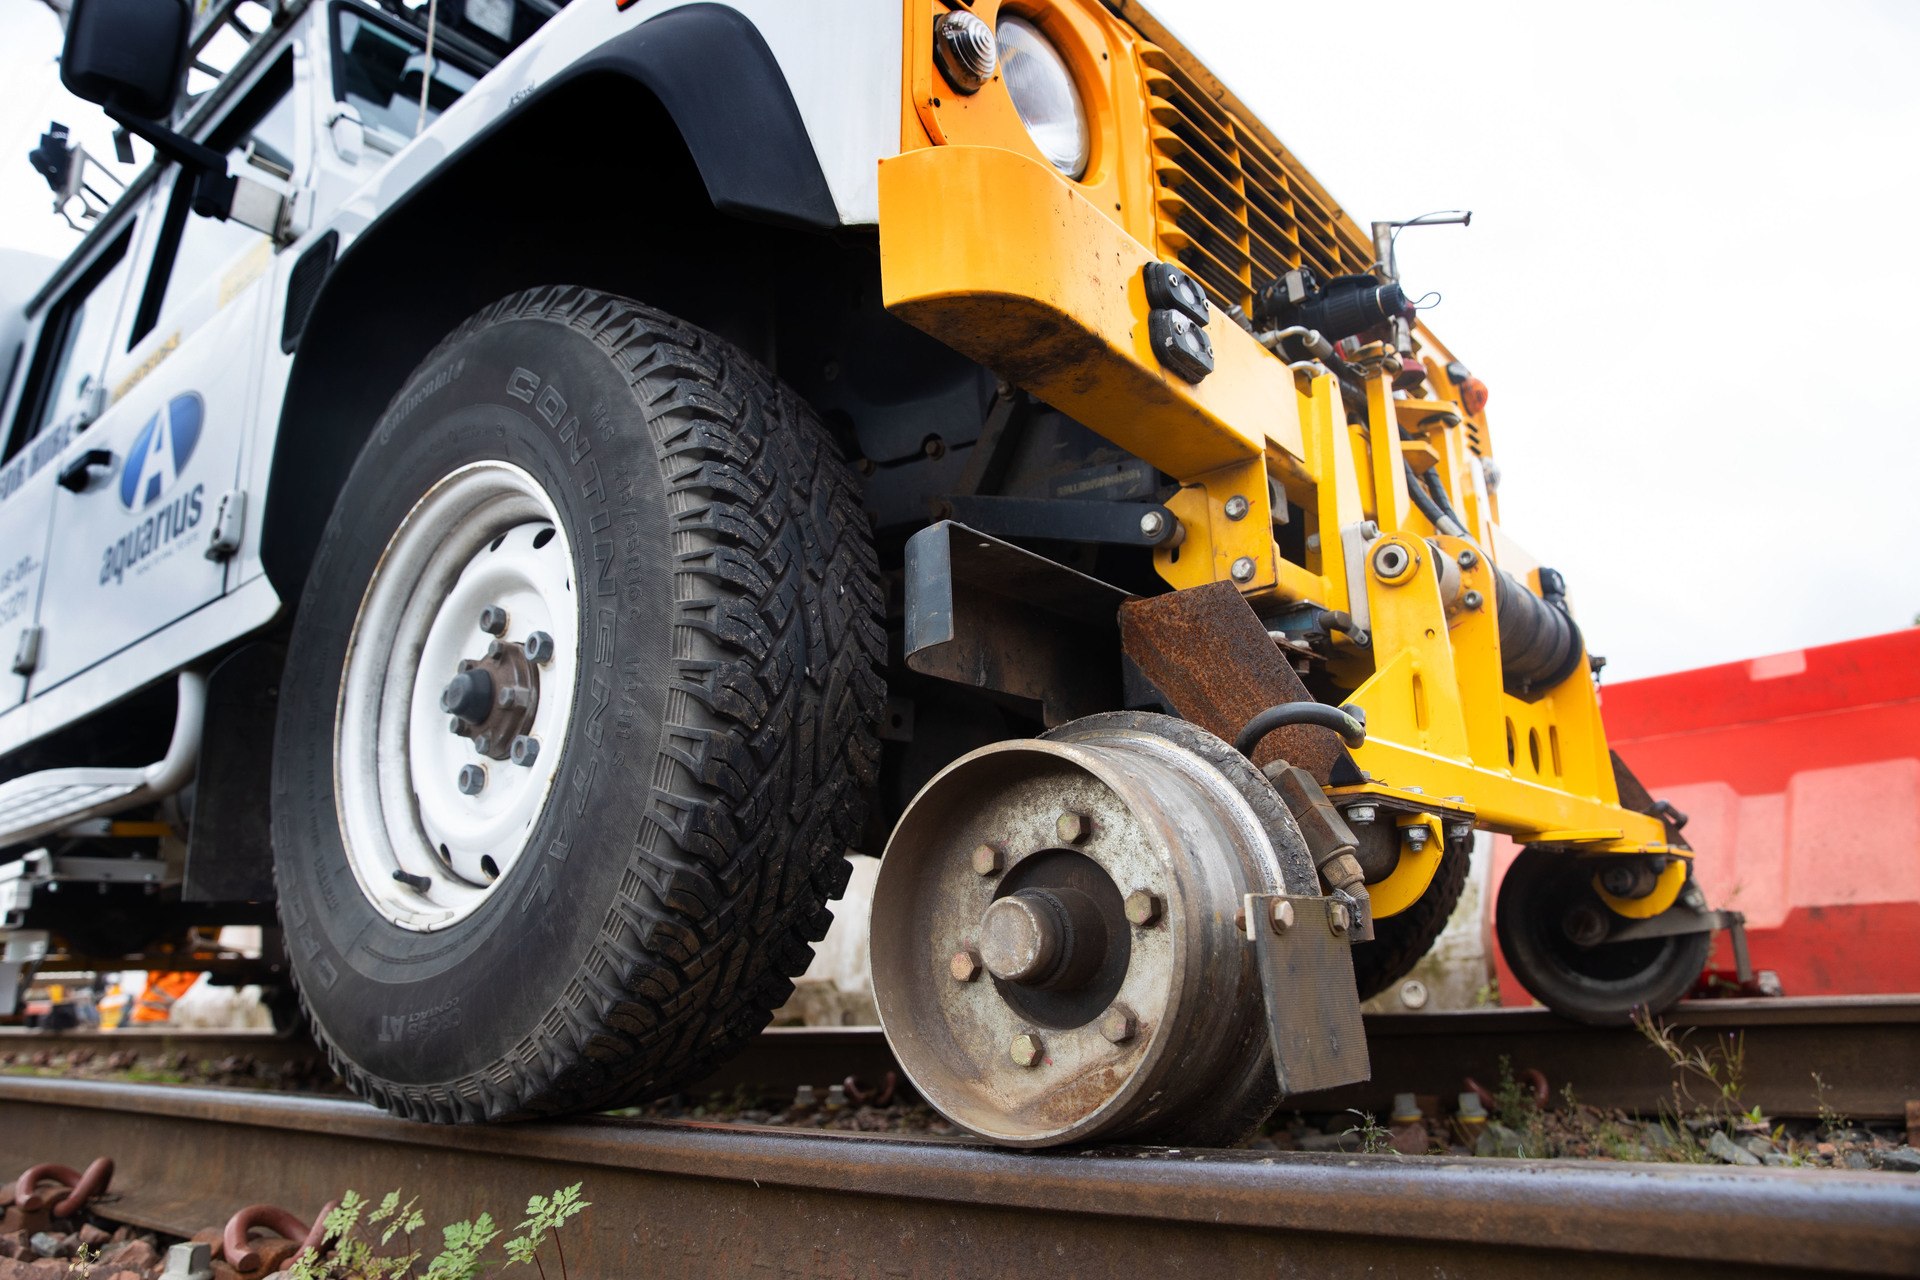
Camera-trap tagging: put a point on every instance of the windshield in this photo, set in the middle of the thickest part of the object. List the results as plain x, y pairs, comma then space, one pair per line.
377, 70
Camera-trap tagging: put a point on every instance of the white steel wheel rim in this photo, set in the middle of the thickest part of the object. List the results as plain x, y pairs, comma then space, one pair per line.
487, 534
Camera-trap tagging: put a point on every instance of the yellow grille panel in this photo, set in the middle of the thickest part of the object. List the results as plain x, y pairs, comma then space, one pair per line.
1225, 206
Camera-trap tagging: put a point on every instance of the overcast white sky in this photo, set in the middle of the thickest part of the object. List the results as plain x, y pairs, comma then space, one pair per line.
1688, 282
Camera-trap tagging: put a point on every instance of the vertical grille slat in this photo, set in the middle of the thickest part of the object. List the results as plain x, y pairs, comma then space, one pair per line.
1229, 209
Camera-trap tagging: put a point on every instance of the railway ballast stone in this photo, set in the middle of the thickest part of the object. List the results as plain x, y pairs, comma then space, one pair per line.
1898, 1160
1727, 1151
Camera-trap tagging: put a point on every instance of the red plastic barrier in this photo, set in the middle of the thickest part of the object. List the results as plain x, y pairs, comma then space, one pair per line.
1801, 774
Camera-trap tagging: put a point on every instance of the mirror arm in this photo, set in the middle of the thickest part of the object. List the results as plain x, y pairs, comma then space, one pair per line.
213, 186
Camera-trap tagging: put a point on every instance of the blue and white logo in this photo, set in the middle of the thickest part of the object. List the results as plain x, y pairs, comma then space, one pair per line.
160, 451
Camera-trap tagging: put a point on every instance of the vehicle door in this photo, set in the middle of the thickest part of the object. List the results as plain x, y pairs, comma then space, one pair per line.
58, 394
133, 549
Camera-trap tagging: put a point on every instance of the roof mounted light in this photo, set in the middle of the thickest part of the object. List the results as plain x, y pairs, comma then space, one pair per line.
964, 47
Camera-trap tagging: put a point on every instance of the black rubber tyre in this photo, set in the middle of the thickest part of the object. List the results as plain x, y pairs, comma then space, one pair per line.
1400, 940
716, 771
1601, 985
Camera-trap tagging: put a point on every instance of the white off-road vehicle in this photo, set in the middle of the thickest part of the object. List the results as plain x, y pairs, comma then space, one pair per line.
513, 494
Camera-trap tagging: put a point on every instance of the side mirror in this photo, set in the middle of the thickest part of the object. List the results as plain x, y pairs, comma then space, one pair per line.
129, 56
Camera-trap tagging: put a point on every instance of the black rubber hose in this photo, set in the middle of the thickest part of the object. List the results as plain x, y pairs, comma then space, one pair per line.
1440, 517
1540, 644
1349, 722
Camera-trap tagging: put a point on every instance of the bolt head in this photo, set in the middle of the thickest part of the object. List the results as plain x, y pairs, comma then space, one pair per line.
1473, 600
1243, 569
1118, 1024
514, 696
1142, 907
1339, 919
496, 650
483, 744
1072, 827
1026, 1050
1468, 559
1361, 813
540, 648
1695, 900
1617, 880
1237, 507
986, 859
1153, 524
472, 780
1280, 915
525, 750
493, 620
1416, 838
965, 966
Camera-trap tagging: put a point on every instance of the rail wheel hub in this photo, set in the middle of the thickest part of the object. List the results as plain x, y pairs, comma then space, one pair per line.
1055, 955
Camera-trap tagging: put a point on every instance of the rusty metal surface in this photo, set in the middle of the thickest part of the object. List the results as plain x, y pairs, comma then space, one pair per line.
700, 1200
1208, 653
1306, 975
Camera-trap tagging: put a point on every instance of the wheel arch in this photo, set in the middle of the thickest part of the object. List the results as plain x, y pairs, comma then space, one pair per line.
720, 167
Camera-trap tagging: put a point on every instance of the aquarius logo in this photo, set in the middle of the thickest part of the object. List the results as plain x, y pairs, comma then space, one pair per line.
160, 451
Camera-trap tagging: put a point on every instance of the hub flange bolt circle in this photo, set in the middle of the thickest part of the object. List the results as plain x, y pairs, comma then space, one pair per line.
1142, 907
473, 779
986, 859
965, 966
493, 620
1118, 1024
1026, 1050
540, 648
1280, 916
1072, 827
525, 750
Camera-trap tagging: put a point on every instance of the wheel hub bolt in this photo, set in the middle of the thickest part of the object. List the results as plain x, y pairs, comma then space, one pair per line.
986, 859
525, 750
1118, 1024
965, 966
515, 696
469, 696
493, 620
540, 648
1020, 939
1026, 1050
1072, 827
1142, 907
473, 779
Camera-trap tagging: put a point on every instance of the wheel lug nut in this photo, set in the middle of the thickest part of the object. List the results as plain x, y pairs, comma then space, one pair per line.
525, 750
483, 744
1142, 907
1026, 1050
493, 620
473, 779
965, 966
986, 859
1072, 827
496, 650
1118, 1024
540, 648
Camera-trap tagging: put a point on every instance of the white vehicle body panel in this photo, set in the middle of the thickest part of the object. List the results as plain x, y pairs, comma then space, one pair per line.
108, 636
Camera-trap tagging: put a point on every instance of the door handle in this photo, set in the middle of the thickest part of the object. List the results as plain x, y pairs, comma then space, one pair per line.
75, 474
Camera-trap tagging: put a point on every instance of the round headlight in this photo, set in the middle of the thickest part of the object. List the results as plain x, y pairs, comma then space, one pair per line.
1044, 94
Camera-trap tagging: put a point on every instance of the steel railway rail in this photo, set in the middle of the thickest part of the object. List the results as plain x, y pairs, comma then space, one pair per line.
699, 1199
1865, 1048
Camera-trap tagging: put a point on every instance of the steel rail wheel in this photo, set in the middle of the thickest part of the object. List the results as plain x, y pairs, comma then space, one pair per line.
1547, 917
1055, 955
578, 716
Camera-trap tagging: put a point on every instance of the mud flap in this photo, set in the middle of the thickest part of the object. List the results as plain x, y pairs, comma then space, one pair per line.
1306, 974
